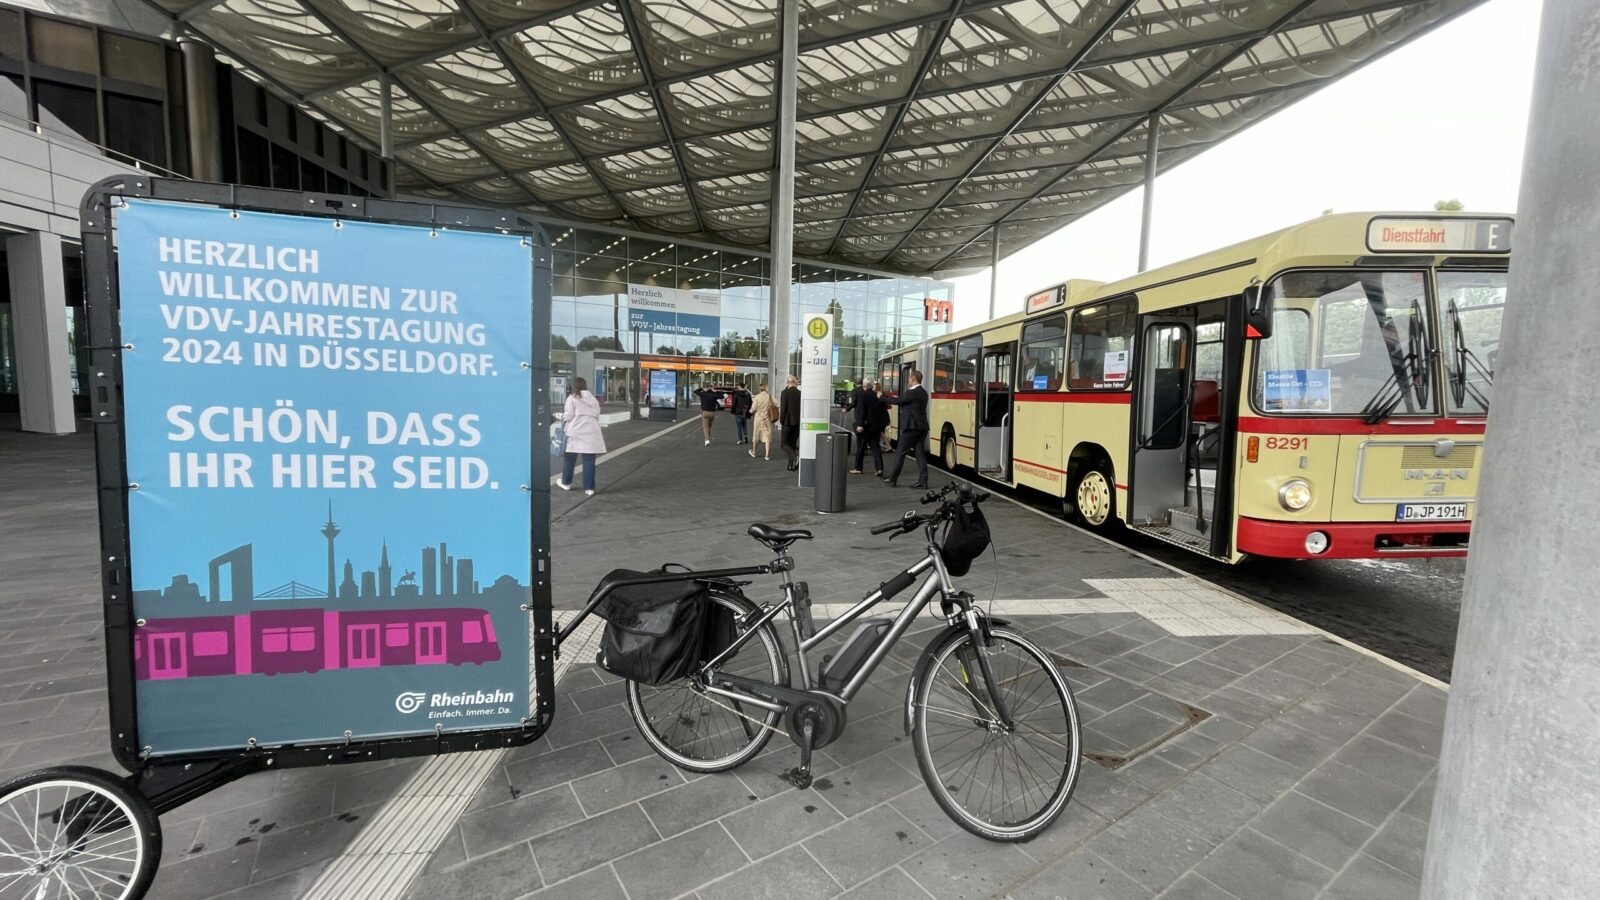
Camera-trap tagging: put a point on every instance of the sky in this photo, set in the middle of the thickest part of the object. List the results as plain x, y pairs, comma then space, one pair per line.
1440, 118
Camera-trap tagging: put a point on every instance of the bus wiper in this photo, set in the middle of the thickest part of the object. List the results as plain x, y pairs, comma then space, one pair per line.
1407, 371
1460, 388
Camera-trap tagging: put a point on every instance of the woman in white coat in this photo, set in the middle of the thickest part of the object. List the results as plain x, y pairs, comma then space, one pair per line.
582, 418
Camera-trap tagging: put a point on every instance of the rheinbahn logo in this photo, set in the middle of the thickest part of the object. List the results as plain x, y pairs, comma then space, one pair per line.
409, 701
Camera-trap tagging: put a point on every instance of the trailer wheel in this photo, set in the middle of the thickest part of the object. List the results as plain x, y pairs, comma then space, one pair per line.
76, 832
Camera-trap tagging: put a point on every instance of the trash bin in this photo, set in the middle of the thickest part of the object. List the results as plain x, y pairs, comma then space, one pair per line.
833, 466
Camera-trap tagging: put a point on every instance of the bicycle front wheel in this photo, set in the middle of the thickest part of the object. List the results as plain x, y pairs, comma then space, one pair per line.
998, 782
702, 732
74, 833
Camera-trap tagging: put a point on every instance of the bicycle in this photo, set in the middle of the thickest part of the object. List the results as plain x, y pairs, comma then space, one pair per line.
1000, 758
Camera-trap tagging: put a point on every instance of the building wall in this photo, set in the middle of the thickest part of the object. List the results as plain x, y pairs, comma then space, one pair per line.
81, 101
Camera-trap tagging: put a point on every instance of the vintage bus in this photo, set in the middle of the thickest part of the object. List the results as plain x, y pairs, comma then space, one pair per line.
1318, 392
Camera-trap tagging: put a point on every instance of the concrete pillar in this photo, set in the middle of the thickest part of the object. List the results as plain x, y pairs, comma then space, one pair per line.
783, 202
39, 328
386, 117
994, 267
1151, 146
203, 111
1517, 813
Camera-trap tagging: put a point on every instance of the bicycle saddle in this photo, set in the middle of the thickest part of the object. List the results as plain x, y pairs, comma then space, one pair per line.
777, 538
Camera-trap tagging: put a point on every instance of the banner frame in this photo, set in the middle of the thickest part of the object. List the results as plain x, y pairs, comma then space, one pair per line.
169, 780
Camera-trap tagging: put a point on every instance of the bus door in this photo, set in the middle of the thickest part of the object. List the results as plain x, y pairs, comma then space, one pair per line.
994, 410
1165, 362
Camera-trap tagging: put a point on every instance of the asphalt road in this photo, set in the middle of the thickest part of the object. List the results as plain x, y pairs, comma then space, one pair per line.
1405, 609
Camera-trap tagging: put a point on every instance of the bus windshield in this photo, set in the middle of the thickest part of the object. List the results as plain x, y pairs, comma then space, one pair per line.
1472, 306
1347, 342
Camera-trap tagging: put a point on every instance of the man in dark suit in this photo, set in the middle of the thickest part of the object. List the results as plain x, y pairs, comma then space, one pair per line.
913, 428
789, 421
870, 412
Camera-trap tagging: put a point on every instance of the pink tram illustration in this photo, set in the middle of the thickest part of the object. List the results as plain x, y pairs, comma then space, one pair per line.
275, 642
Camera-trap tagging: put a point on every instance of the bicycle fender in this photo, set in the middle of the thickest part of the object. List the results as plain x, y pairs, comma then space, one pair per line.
926, 660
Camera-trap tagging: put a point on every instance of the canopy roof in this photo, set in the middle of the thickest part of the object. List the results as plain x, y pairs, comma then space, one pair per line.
921, 123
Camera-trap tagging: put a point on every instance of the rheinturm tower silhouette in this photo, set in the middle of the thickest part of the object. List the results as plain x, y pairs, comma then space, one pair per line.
331, 531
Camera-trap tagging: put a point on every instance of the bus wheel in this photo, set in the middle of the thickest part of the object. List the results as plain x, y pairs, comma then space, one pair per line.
947, 453
1095, 495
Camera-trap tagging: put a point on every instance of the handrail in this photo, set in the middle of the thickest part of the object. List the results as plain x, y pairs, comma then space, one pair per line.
56, 135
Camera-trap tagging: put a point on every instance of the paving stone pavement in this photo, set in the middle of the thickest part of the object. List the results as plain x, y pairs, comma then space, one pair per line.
1307, 770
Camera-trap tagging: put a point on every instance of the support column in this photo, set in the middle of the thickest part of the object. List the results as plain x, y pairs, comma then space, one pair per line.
994, 267
1151, 146
39, 328
386, 129
1517, 809
782, 217
204, 115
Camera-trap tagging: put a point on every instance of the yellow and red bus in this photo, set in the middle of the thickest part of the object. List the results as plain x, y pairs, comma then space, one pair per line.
1317, 392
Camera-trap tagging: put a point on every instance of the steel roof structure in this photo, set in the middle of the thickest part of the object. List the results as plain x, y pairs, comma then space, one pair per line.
923, 126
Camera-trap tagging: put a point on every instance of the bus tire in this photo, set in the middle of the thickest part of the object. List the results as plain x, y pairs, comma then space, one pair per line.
947, 451
1094, 498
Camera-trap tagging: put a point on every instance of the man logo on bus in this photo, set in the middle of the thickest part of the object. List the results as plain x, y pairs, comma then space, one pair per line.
817, 328
409, 701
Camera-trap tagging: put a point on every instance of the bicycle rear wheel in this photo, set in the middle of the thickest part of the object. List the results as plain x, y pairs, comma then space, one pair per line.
701, 732
1003, 784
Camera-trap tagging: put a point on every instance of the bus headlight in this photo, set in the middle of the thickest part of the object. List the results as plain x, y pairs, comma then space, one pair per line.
1295, 495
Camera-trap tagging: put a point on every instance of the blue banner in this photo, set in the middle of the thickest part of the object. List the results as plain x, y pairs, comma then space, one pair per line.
329, 426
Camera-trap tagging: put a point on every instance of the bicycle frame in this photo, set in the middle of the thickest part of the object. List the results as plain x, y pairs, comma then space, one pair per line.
937, 584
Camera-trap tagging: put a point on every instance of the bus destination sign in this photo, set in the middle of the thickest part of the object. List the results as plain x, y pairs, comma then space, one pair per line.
1046, 298
1453, 235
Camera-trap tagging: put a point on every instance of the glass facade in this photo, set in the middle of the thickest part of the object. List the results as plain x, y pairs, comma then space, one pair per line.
596, 273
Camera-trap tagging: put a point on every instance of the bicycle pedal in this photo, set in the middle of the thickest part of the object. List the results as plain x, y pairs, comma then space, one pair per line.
799, 777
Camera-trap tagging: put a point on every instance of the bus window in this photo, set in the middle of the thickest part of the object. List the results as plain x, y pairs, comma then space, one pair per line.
967, 350
944, 367
1346, 343
1102, 344
1044, 354
1208, 351
1473, 304
889, 376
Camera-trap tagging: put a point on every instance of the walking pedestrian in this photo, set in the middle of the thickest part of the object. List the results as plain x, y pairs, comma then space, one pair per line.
709, 400
871, 418
741, 412
764, 409
913, 430
789, 421
581, 418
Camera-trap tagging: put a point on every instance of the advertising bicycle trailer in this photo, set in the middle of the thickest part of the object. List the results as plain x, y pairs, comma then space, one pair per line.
324, 534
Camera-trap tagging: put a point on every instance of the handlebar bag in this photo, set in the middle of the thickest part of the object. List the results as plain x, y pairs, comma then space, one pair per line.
653, 632
965, 539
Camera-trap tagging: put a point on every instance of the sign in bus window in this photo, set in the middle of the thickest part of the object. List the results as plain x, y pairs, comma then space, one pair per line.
1296, 390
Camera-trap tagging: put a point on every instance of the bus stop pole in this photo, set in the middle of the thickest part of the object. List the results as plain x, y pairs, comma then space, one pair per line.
782, 217
1151, 147
1515, 810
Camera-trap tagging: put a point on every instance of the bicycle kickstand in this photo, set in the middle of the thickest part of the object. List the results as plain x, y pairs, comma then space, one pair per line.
800, 776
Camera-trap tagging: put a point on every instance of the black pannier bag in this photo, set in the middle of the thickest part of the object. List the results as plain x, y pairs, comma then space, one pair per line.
966, 540
654, 632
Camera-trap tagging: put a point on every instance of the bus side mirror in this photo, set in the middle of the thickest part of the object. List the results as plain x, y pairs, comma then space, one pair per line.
1257, 314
